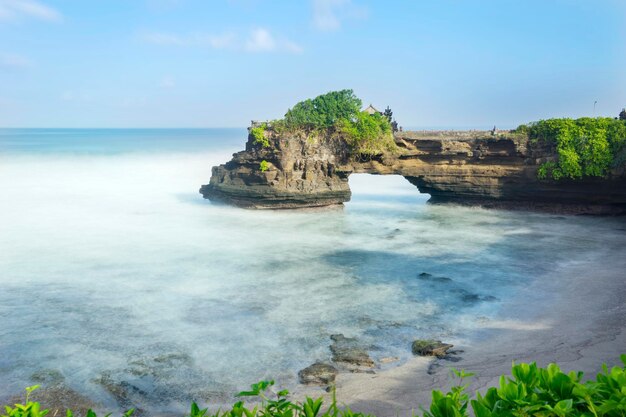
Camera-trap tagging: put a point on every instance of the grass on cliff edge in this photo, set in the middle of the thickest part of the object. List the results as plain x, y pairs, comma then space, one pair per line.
529, 391
336, 114
585, 147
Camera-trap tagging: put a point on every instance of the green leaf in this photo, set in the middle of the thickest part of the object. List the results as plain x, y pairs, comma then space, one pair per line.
480, 410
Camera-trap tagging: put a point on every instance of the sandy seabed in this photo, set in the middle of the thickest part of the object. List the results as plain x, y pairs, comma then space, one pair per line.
580, 326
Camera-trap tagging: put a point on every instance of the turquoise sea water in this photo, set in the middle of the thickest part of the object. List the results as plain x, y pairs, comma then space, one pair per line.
114, 272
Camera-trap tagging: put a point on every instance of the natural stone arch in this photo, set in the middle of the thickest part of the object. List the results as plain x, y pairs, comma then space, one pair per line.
473, 166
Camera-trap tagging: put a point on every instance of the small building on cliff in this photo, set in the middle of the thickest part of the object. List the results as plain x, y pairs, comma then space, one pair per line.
371, 110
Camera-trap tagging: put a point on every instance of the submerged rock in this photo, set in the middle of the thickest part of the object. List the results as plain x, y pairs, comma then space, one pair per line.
55, 395
348, 351
471, 298
48, 377
430, 277
157, 381
426, 347
318, 374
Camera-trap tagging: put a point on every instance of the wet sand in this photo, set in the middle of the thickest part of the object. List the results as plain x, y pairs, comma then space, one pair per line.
579, 323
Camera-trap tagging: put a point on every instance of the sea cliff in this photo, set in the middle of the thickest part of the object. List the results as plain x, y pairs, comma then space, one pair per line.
466, 167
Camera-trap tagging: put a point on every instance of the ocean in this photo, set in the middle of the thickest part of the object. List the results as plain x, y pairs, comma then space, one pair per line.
115, 274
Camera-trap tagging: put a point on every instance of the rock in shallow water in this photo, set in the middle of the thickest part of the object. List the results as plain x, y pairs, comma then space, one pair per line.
55, 395
423, 347
348, 351
318, 374
429, 277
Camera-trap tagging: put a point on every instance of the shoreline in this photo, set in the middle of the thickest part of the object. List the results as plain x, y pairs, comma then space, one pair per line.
581, 326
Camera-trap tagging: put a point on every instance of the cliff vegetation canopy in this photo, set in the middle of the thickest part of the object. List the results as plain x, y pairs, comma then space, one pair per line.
586, 147
338, 114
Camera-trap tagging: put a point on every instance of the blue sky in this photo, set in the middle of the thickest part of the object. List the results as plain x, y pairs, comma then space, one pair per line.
221, 63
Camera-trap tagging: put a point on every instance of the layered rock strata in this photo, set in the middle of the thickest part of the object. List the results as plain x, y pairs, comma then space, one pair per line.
300, 172
475, 167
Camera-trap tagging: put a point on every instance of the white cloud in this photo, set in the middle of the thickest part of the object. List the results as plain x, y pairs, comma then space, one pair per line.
16, 9
260, 40
329, 14
10, 61
257, 40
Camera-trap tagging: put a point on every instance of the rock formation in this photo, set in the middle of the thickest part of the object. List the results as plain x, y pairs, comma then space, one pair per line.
318, 374
437, 348
475, 167
302, 172
348, 351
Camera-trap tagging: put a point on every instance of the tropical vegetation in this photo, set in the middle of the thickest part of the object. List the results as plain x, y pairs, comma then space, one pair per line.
585, 147
338, 115
258, 133
529, 391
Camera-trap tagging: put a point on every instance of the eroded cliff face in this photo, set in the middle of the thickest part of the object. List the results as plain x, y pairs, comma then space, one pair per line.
301, 173
465, 167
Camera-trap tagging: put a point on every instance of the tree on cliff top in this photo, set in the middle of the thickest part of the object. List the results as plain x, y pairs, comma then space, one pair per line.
324, 111
338, 114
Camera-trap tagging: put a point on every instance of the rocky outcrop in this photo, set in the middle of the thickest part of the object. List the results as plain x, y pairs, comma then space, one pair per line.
301, 172
437, 348
472, 167
348, 351
318, 374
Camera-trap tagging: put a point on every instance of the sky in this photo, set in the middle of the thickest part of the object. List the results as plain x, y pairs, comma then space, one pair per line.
222, 63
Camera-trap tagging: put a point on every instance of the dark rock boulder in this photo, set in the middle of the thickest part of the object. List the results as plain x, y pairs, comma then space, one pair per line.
426, 347
347, 350
318, 374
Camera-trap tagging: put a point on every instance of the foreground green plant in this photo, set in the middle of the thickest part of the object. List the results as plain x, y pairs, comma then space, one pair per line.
529, 391
540, 392
28, 409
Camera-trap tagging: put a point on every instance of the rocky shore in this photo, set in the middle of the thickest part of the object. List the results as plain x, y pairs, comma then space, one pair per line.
579, 326
466, 167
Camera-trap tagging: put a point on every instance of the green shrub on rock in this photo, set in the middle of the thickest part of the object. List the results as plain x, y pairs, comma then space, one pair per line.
367, 134
586, 147
258, 133
337, 115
